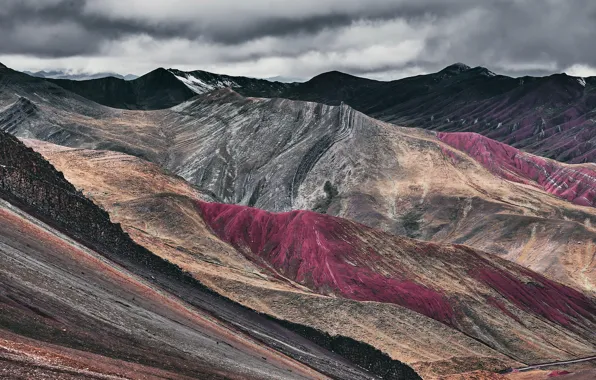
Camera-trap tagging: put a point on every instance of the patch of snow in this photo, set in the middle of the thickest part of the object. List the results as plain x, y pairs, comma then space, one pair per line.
195, 84
200, 87
581, 81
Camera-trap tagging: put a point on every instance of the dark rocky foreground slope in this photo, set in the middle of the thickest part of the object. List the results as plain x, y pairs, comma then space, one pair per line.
55, 316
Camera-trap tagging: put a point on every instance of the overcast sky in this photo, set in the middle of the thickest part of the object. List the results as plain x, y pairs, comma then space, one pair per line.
382, 39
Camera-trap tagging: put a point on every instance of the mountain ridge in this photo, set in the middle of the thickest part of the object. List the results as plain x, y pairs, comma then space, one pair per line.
60, 74
156, 89
550, 116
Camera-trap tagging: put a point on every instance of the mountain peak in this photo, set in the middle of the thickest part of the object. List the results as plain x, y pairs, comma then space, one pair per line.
3, 66
456, 68
336, 77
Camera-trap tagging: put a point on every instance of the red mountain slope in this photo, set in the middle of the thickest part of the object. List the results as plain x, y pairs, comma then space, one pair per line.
575, 183
324, 253
338, 257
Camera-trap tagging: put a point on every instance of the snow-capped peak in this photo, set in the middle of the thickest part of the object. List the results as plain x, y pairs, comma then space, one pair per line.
201, 86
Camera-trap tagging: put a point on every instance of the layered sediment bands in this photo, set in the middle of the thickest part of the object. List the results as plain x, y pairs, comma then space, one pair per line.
143, 198
333, 256
29, 181
574, 183
551, 116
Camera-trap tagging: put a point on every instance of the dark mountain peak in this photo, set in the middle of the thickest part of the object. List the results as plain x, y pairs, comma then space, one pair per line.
335, 74
482, 71
159, 70
456, 68
3, 66
157, 89
337, 78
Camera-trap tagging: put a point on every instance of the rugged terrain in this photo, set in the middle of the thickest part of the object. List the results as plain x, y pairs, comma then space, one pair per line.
325, 158
72, 278
338, 161
343, 261
171, 176
549, 116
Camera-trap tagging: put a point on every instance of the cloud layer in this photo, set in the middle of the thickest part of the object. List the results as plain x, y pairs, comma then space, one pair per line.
376, 38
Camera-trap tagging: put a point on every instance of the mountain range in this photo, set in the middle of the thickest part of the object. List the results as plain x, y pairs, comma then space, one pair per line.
343, 227
549, 116
60, 74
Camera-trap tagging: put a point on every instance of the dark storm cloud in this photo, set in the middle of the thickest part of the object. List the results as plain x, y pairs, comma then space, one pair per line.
80, 32
509, 36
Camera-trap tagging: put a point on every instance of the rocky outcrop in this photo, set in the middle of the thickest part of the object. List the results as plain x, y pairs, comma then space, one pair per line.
22, 111
574, 183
